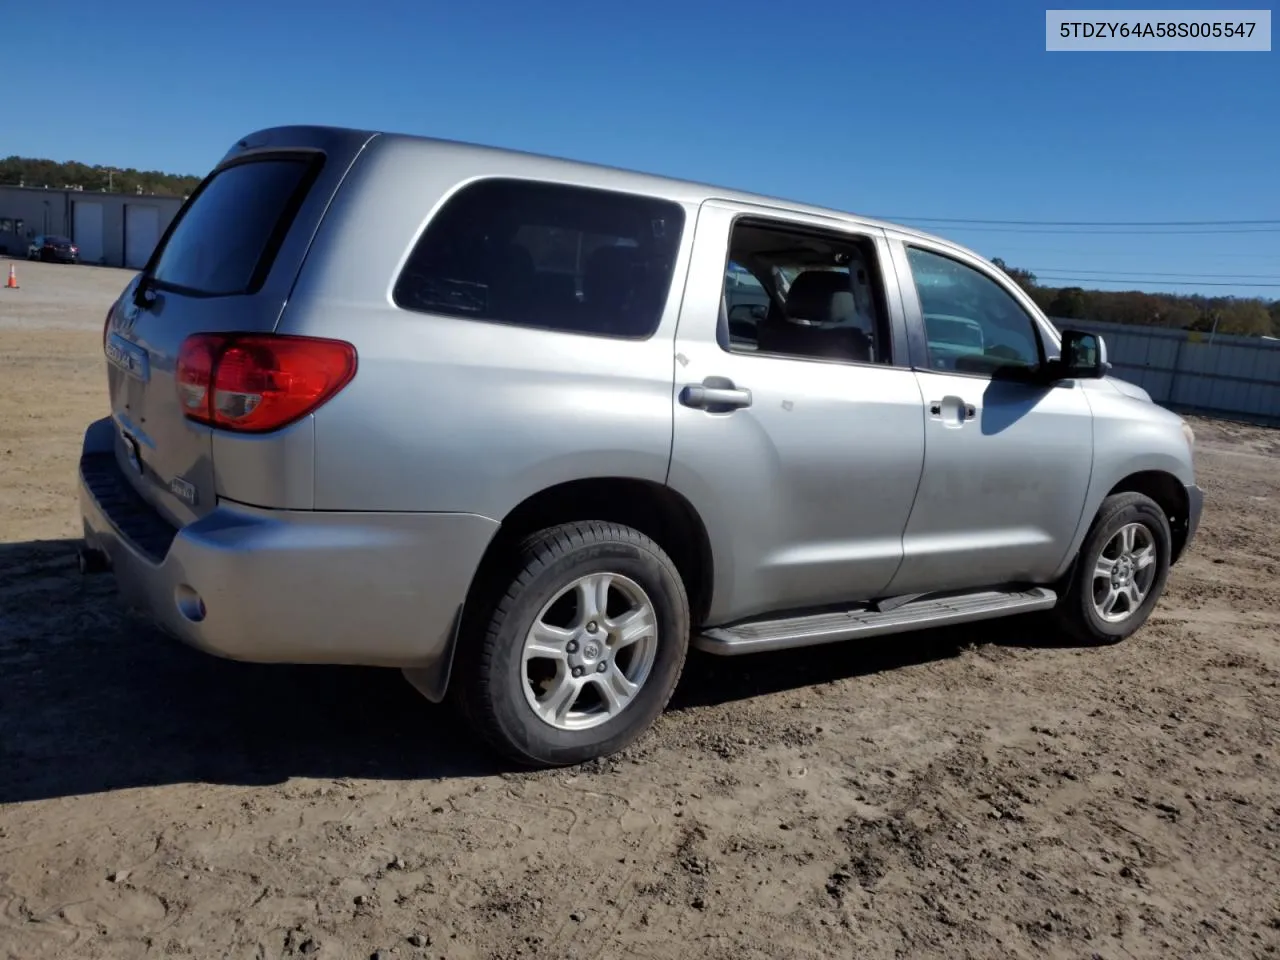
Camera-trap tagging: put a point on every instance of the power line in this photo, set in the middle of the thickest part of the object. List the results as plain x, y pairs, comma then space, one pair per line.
1161, 283
1181, 231
1199, 254
1092, 223
1157, 273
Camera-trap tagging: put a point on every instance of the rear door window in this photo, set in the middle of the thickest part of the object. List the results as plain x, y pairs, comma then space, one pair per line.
225, 240
558, 257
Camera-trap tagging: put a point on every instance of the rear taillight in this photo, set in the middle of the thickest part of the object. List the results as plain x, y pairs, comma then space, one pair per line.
255, 383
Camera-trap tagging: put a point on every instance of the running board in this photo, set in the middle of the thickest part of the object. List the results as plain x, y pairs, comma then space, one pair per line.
757, 636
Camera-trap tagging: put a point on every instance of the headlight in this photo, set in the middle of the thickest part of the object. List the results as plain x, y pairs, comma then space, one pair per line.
1189, 434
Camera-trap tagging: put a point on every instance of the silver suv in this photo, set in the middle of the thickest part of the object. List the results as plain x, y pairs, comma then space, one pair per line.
526, 428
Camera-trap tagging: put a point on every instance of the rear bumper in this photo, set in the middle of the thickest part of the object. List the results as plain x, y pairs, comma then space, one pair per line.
277, 586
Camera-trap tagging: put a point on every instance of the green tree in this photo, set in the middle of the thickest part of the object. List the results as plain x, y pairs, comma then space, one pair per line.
1023, 278
35, 172
1246, 317
1177, 313
1069, 303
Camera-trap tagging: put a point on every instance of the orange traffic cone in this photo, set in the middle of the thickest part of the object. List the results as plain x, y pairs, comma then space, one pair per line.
13, 279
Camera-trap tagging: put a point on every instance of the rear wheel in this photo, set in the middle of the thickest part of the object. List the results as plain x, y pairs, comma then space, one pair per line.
583, 648
1121, 571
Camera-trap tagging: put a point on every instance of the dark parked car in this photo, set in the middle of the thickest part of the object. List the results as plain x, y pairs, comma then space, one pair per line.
59, 249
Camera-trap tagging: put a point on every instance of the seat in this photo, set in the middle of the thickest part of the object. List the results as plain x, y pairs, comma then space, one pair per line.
816, 299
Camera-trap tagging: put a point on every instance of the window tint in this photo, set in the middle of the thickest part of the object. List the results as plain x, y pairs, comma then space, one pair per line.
971, 323
808, 295
227, 236
545, 255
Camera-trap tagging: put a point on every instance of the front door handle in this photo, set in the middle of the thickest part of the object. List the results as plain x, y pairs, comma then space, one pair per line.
716, 397
952, 409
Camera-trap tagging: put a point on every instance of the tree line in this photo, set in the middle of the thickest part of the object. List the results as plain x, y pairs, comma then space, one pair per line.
1248, 316
70, 175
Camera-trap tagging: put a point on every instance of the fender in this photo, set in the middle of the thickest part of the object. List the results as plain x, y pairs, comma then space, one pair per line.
1131, 436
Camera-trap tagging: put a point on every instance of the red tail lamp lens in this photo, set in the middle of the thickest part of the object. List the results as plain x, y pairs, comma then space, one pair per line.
256, 383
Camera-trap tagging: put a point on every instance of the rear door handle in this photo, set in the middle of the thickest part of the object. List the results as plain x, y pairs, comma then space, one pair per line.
700, 396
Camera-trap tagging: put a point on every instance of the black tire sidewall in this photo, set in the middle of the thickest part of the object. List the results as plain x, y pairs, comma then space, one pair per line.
1116, 513
528, 736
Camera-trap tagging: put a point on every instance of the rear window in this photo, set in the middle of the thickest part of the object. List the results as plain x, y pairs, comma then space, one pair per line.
574, 259
224, 241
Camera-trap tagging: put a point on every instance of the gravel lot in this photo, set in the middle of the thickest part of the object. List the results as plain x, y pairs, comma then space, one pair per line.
972, 793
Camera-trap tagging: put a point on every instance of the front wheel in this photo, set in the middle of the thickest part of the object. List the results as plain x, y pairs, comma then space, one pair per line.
1121, 571
582, 650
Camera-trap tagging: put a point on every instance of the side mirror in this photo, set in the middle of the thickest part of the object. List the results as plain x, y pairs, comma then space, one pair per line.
1084, 356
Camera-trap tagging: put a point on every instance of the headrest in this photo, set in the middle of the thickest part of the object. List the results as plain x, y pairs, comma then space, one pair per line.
821, 296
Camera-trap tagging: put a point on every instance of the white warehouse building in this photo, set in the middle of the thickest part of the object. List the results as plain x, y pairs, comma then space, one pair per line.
112, 229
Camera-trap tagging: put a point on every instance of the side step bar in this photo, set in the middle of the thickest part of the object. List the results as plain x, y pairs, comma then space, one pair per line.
757, 636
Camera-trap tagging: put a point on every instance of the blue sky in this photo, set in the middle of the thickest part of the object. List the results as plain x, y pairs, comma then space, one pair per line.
902, 109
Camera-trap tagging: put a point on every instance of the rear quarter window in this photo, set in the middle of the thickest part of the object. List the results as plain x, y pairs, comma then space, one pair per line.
556, 257
224, 241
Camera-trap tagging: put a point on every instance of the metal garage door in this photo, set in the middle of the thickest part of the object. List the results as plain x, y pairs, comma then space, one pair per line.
86, 230
141, 234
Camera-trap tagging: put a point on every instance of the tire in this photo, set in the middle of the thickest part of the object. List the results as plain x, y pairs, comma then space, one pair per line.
1079, 613
550, 580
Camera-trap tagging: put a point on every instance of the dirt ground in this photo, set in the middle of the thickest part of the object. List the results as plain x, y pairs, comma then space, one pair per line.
972, 793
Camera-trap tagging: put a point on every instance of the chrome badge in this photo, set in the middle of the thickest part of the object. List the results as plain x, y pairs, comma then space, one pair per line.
129, 357
184, 490
125, 317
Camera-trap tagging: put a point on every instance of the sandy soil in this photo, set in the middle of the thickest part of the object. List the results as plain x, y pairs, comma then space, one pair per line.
976, 793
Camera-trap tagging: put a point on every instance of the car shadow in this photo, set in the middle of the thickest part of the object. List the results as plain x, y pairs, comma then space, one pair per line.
711, 679
92, 699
